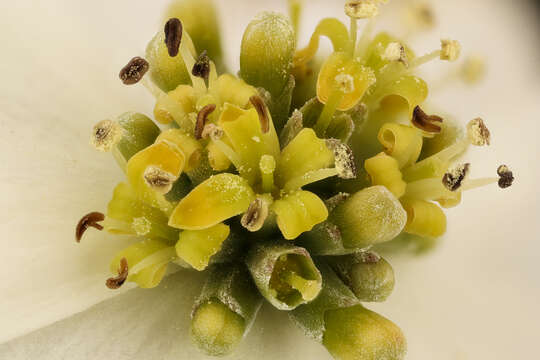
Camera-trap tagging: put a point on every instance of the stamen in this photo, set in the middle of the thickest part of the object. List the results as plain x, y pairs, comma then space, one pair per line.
450, 50
506, 177
421, 60
201, 119
134, 71
343, 159
173, 36
123, 272
470, 184
431, 189
254, 218
212, 131
159, 180
426, 122
226, 149
361, 9
453, 179
153, 89
396, 52
478, 132
202, 66
260, 106
88, 220
106, 134
353, 30
295, 11
328, 112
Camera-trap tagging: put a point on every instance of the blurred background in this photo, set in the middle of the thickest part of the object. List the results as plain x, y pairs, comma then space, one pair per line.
475, 296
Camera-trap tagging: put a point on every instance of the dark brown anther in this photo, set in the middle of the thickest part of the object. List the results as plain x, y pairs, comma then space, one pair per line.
260, 106
426, 122
101, 133
117, 281
506, 177
159, 180
201, 119
478, 132
173, 36
88, 220
202, 66
255, 216
134, 71
453, 179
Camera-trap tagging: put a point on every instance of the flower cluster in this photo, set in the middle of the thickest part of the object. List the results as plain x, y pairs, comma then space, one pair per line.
282, 181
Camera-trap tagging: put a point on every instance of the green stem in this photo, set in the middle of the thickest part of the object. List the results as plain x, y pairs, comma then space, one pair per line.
363, 42
198, 83
328, 113
419, 61
427, 189
354, 35
230, 154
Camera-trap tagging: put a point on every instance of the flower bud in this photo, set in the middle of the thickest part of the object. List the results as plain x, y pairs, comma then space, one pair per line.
285, 274
372, 215
266, 59
199, 18
369, 276
356, 333
167, 72
347, 329
225, 310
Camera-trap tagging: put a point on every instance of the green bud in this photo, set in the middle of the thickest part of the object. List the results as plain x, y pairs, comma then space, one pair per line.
285, 274
409, 243
356, 333
216, 329
348, 330
124, 137
369, 276
199, 18
266, 60
371, 216
225, 309
167, 72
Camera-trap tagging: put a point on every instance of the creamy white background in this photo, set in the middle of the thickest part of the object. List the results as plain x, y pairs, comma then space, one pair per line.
476, 297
